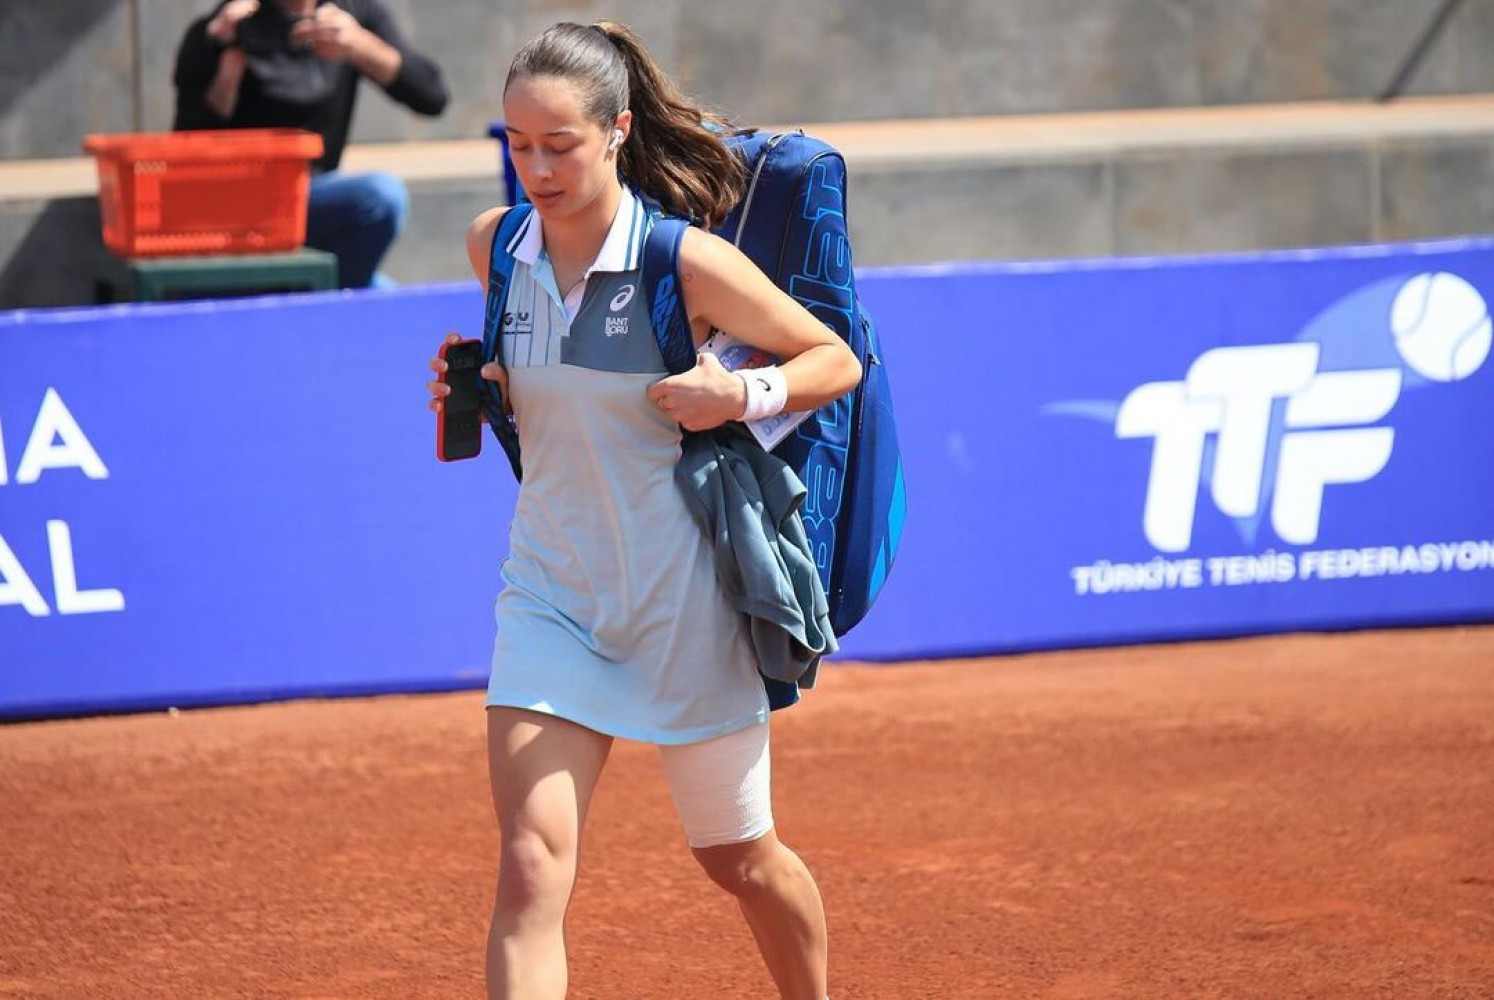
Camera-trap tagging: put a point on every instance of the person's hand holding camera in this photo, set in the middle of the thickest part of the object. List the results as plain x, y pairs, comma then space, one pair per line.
333, 33
224, 27
336, 36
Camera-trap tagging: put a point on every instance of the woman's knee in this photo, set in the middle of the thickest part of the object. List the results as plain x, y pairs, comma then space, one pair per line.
535, 875
543, 772
748, 869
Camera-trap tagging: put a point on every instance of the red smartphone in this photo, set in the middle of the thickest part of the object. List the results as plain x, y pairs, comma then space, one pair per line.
459, 424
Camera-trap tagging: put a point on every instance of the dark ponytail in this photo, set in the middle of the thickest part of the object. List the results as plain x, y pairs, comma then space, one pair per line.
673, 153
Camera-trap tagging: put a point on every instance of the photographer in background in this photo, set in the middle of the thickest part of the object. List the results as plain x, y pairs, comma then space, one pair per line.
296, 64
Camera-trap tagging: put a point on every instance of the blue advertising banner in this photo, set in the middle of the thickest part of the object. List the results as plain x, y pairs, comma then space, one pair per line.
231, 501
1135, 450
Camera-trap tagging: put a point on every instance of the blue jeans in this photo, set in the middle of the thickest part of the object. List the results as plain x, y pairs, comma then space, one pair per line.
357, 217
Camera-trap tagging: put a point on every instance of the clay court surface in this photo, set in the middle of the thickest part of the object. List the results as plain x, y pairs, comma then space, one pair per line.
1307, 816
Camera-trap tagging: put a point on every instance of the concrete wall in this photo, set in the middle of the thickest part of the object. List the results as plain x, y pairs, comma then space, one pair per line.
1187, 200
70, 67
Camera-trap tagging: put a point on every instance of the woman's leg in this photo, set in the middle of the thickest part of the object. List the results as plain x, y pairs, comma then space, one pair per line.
782, 905
543, 771
721, 789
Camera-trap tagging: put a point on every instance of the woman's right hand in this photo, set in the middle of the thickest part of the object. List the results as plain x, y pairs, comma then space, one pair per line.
492, 371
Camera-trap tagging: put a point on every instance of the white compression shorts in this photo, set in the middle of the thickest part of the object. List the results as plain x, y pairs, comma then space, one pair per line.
721, 787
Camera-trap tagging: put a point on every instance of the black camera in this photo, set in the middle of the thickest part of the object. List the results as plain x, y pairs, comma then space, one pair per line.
267, 30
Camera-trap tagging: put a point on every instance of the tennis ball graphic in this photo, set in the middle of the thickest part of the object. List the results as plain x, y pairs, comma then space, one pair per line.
1441, 326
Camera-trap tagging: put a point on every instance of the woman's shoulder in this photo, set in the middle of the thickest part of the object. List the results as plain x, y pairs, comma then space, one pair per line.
484, 226
703, 252
480, 239
703, 246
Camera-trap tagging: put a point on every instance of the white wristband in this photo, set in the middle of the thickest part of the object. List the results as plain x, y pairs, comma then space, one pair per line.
767, 391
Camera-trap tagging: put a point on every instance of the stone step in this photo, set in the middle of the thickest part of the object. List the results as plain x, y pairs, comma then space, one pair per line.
1162, 181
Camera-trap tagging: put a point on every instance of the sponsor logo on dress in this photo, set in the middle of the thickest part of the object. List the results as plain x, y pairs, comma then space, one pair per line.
617, 326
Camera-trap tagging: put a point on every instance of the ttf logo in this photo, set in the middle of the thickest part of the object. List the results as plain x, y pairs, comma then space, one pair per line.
1273, 426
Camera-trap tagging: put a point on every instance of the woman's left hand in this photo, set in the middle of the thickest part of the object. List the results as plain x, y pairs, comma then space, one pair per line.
706, 396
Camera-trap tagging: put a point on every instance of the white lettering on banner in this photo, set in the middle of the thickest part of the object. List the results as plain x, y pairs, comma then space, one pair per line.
1231, 392
1267, 567
1272, 567
1283, 430
1265, 430
56, 441
55, 423
1162, 410
71, 600
16, 586
1244, 383
1105, 577
1311, 460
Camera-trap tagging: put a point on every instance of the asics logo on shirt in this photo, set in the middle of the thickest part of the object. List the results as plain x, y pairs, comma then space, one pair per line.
617, 326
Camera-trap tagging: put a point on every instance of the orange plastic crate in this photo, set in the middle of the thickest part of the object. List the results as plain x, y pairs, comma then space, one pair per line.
226, 191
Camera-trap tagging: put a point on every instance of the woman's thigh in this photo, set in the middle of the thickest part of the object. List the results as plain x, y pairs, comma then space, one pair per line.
722, 787
543, 771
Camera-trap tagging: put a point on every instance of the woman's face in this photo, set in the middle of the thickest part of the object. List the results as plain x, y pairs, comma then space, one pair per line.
561, 156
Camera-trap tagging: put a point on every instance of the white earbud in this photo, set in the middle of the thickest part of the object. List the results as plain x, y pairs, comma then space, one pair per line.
617, 139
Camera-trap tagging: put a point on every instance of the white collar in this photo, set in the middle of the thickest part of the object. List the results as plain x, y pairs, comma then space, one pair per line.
622, 250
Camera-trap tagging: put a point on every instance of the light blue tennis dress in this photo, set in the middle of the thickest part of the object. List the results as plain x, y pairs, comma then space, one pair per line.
611, 615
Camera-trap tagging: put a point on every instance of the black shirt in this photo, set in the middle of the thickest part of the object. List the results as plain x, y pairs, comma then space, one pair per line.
286, 88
